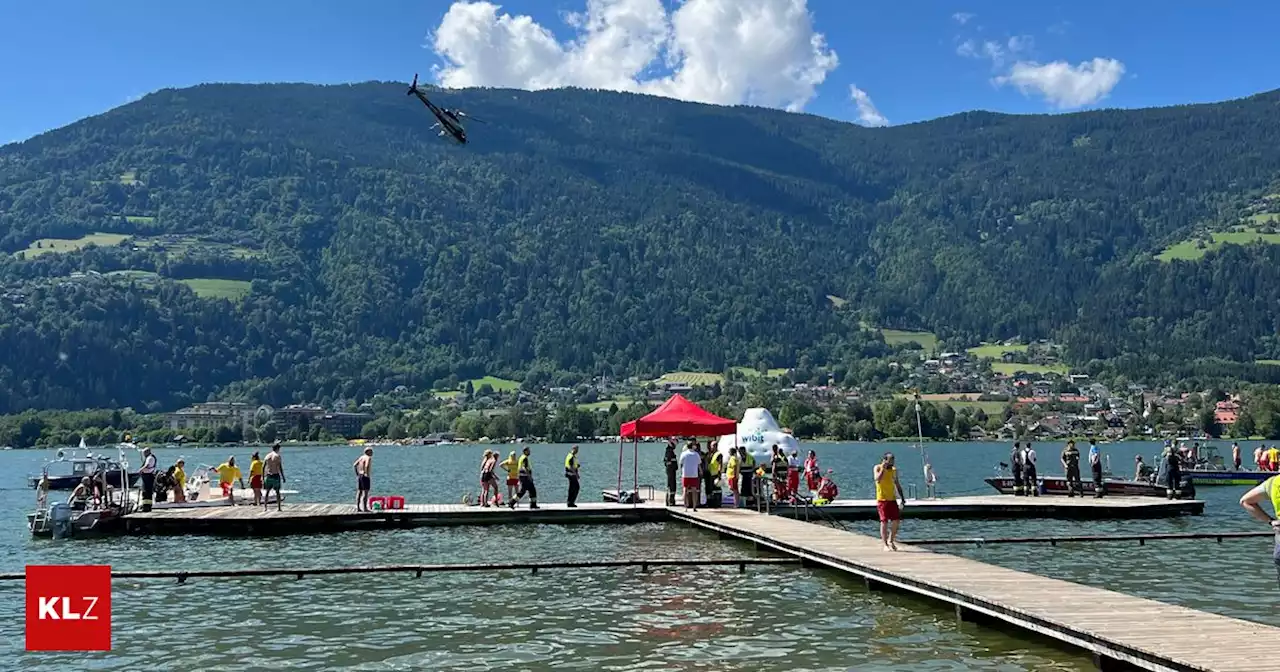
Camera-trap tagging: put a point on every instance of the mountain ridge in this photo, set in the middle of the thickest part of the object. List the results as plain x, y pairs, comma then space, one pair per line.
379, 254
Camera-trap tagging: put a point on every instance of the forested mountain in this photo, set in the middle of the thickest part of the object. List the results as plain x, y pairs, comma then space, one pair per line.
603, 233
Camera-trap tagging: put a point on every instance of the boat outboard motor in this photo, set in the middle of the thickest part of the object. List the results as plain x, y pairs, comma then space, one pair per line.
60, 520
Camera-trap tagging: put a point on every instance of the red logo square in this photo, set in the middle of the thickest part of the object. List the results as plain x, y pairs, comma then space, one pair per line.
68, 607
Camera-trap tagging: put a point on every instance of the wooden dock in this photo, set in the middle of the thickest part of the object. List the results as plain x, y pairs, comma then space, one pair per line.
989, 507
1121, 631
312, 518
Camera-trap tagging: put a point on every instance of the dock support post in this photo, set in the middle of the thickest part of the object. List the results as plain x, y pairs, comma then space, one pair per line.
535, 570
742, 568
1142, 542
418, 574
298, 576
959, 613
644, 567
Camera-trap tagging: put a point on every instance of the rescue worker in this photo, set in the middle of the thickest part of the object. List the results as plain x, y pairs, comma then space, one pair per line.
714, 466
1172, 469
147, 473
525, 475
1015, 466
747, 465
1095, 466
1268, 490
571, 467
671, 464
731, 470
1029, 471
1071, 465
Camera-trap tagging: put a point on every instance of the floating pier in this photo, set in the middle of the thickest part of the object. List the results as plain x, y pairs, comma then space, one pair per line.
312, 518
988, 507
1120, 631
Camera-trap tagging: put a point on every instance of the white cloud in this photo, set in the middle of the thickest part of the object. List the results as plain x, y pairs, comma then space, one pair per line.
868, 115
996, 52
761, 52
1064, 85
963, 17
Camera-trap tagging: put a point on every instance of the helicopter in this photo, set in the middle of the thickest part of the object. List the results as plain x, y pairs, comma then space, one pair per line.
449, 121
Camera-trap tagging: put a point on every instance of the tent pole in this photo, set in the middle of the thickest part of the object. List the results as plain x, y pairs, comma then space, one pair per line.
621, 442
635, 463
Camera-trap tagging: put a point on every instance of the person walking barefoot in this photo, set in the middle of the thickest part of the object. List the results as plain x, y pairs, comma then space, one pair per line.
364, 479
886, 478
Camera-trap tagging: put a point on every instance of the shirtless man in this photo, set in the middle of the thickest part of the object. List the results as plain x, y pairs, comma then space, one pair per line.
272, 476
363, 466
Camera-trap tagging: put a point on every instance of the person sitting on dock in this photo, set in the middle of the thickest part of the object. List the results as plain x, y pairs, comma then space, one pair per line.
364, 479
1268, 490
255, 477
887, 484
273, 476
1071, 465
228, 474
690, 476
79, 499
527, 487
512, 465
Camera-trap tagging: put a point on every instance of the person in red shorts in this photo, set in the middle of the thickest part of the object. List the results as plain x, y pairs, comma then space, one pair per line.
887, 485
691, 474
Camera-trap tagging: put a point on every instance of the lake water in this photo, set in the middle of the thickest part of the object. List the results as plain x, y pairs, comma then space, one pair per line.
695, 618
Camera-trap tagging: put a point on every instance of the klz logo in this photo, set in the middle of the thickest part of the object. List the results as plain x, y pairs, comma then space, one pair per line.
68, 608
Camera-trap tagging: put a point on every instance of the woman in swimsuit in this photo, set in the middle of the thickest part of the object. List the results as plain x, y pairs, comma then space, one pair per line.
487, 478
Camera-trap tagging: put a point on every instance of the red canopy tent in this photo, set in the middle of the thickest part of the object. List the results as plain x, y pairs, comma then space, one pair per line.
677, 416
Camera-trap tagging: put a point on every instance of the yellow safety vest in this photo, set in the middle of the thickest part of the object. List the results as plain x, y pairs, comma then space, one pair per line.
748, 462
524, 466
1275, 494
570, 464
714, 467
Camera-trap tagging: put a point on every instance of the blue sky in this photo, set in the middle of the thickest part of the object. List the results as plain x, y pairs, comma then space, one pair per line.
913, 60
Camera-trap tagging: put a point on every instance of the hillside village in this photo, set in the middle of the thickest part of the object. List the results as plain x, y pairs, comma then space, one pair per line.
991, 392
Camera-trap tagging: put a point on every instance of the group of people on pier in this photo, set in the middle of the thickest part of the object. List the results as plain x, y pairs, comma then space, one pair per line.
705, 472
519, 478
1023, 462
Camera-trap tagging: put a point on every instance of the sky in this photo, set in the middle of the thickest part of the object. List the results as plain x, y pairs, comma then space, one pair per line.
873, 64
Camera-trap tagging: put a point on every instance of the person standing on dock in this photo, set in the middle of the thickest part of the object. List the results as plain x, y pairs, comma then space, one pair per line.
812, 473
887, 485
1269, 489
512, 465
571, 467
1235, 455
1071, 465
273, 475
1029, 471
731, 470
525, 474
255, 477
228, 474
671, 463
147, 473
1095, 466
180, 481
930, 481
793, 475
746, 475
1015, 466
364, 479
691, 476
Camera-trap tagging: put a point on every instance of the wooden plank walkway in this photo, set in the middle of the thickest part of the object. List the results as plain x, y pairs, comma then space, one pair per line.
1120, 630
298, 518
991, 507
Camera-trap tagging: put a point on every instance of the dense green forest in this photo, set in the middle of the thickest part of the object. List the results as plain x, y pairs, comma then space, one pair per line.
293, 242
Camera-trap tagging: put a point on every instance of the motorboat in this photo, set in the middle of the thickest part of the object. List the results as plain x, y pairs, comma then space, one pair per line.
101, 512
1115, 487
65, 471
1212, 469
1146, 486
